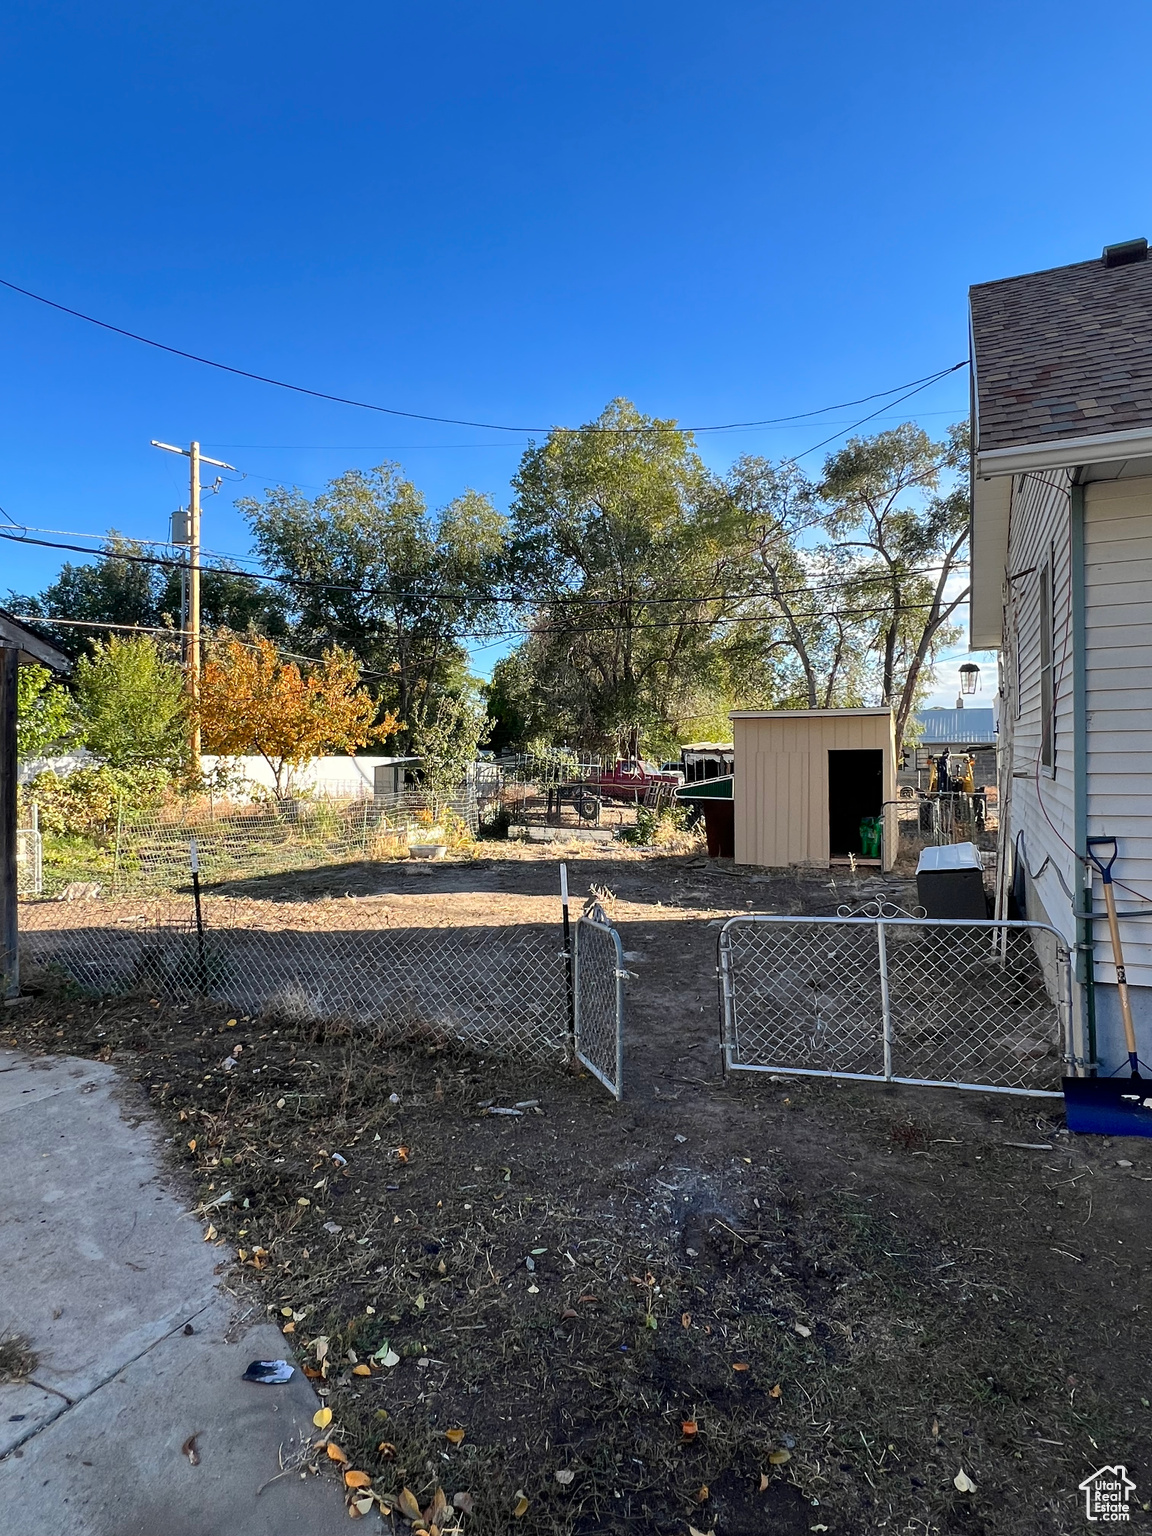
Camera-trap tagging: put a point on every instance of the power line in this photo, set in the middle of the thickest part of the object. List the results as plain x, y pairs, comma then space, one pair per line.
452, 421
401, 594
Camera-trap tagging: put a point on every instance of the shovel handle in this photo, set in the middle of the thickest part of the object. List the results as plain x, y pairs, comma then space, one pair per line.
1105, 868
1103, 865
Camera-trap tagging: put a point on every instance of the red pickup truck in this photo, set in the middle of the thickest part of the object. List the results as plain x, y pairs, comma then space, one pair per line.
630, 779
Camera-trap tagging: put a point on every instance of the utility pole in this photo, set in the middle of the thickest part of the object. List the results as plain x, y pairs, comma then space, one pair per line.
192, 639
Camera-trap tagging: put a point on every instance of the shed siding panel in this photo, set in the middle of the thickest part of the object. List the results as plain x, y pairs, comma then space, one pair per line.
781, 781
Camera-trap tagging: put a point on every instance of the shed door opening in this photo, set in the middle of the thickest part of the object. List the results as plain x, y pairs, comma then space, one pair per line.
855, 790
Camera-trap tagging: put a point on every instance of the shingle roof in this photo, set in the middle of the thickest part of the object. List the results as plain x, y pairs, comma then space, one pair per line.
1063, 353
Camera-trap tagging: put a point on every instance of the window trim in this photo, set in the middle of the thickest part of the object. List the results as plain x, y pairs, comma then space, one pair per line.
1047, 639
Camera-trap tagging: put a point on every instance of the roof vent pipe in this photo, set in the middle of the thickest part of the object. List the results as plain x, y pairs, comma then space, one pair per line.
1127, 251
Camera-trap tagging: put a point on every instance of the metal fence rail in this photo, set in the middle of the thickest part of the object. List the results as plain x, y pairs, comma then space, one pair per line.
598, 978
898, 999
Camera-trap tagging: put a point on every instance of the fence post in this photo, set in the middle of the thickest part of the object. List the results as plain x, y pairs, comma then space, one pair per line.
727, 1023
569, 980
885, 1003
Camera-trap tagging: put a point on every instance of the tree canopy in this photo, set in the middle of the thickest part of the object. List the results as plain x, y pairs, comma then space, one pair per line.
253, 703
368, 568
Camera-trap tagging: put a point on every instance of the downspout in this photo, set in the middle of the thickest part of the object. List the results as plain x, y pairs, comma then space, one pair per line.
1085, 945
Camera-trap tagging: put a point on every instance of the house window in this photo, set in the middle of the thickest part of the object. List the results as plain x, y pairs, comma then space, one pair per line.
1047, 691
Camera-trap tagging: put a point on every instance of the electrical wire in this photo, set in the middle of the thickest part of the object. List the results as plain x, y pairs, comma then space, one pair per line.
401, 594
453, 421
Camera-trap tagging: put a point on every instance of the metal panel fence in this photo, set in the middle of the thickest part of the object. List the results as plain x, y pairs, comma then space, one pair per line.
598, 978
898, 999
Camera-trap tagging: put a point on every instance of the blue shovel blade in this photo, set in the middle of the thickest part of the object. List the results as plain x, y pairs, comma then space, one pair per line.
1109, 1106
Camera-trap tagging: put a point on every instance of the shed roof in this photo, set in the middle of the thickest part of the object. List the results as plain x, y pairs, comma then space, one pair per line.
1062, 354
800, 714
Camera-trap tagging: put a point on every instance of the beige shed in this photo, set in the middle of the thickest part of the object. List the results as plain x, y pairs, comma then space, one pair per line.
806, 778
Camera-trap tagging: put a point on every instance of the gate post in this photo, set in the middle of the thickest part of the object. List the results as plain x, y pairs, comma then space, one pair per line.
885, 1003
727, 1026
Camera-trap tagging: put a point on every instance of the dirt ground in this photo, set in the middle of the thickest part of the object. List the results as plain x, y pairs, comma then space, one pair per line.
743, 1306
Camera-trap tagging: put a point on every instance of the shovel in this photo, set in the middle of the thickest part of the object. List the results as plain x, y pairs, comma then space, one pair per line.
1111, 1106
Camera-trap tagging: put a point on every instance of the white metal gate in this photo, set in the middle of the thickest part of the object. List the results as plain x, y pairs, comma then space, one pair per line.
896, 998
598, 998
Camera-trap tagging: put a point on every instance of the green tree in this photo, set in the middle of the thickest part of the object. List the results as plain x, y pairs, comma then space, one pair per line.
447, 736
132, 704
124, 586
897, 505
46, 715
806, 641
624, 551
368, 568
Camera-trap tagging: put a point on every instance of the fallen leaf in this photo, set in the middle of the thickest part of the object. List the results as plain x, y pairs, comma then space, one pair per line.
192, 1145
776, 1391
288, 1328
463, 1501
386, 1355
963, 1483
387, 1450
320, 1345
454, 1436
764, 1481
589, 1298
364, 1505
361, 1370
285, 1311
702, 1494
209, 1234
778, 1458
692, 1531
935, 1429
568, 1313
357, 1480
689, 1429
335, 1453
564, 1477
353, 1512
520, 1507
685, 1319
805, 1333
740, 1365
189, 1449
402, 1154
420, 1303
408, 1504
438, 1508
322, 1418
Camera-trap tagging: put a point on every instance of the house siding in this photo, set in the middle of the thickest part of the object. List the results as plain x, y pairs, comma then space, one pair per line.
1118, 699
1040, 810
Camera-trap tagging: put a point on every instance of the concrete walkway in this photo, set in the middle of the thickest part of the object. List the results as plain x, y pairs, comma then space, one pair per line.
103, 1271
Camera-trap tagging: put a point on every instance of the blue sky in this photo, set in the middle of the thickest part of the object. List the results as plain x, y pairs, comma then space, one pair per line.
512, 213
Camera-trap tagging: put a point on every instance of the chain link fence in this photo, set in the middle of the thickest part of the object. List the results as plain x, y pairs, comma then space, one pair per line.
897, 998
598, 982
337, 958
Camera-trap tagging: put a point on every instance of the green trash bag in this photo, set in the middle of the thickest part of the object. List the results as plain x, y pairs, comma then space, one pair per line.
870, 836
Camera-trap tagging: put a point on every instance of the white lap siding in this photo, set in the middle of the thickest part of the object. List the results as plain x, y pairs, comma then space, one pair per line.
1040, 799
1118, 664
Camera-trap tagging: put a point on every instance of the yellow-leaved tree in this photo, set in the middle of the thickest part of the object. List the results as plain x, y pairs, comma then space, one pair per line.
254, 704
